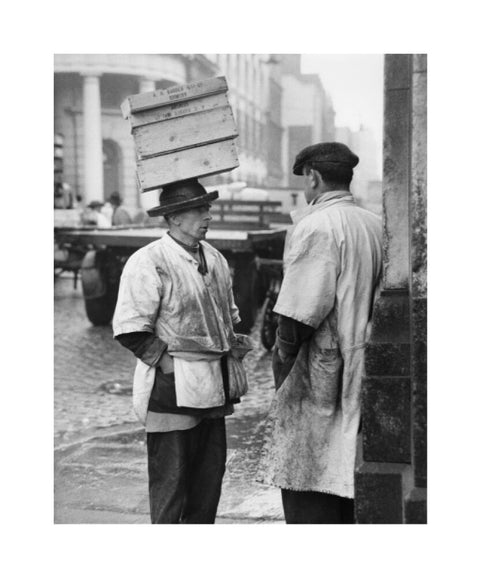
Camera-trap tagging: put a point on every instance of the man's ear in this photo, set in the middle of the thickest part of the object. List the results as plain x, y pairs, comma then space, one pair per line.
315, 178
175, 218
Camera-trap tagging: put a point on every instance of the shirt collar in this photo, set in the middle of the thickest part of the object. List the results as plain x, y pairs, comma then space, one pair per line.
173, 244
189, 249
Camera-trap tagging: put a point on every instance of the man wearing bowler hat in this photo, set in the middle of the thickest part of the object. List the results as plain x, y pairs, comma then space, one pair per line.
332, 266
176, 312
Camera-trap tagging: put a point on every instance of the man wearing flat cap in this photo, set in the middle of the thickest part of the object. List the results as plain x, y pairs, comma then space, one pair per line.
176, 312
332, 267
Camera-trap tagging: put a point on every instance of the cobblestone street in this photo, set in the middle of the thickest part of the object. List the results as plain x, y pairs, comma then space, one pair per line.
87, 363
93, 375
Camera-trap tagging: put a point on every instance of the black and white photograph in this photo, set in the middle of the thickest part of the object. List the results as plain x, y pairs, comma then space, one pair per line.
251, 301
240, 288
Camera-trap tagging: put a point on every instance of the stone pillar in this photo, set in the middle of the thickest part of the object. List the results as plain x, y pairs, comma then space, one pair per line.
92, 139
396, 172
390, 476
416, 500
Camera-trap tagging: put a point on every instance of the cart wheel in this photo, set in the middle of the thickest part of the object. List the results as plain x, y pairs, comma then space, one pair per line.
100, 310
269, 324
99, 287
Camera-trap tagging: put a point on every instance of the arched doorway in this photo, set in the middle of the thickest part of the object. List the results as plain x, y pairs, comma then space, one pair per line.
112, 160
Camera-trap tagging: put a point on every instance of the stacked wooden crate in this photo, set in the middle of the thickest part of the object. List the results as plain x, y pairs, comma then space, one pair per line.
182, 132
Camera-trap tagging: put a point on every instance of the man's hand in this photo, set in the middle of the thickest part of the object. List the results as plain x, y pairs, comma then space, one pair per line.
281, 366
166, 363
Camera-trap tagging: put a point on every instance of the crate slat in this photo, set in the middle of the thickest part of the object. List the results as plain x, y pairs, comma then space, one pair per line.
178, 109
195, 162
187, 131
147, 100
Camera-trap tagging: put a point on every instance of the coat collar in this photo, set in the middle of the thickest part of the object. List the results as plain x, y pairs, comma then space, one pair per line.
322, 201
331, 195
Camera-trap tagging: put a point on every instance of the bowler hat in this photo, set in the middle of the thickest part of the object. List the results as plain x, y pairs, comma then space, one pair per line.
327, 154
180, 196
95, 204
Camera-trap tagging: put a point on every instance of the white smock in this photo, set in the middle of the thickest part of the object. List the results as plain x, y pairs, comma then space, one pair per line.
162, 292
332, 267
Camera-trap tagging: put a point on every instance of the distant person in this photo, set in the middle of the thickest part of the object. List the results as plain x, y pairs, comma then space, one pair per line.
64, 197
332, 266
92, 215
107, 211
119, 214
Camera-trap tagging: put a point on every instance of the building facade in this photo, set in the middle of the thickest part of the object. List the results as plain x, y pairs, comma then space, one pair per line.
98, 151
255, 93
366, 185
308, 115
278, 111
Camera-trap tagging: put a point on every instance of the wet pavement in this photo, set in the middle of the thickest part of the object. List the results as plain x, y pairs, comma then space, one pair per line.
100, 452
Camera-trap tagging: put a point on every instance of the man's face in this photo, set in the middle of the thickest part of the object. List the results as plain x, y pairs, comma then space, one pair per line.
193, 224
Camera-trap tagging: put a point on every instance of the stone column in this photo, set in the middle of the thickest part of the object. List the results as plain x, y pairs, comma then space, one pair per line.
92, 139
416, 511
396, 171
390, 479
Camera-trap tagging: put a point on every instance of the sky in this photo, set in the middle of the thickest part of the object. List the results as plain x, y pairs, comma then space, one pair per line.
355, 83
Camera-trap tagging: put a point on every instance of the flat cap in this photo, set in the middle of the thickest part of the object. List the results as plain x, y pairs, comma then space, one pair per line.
326, 153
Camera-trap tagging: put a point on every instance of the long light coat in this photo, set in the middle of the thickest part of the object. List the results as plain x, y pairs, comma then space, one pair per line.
332, 268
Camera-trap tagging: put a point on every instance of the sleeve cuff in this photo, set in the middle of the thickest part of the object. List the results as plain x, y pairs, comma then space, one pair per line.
287, 347
153, 353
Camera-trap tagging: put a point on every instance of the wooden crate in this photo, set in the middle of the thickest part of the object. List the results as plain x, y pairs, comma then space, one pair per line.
178, 109
194, 162
182, 132
147, 100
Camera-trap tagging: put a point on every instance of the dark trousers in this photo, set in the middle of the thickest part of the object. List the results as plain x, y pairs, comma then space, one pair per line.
185, 472
312, 507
